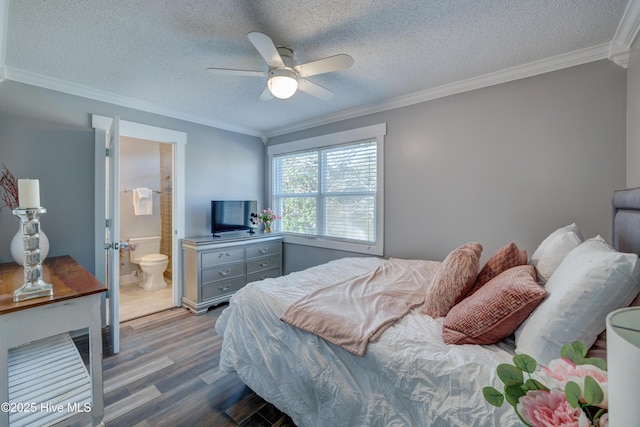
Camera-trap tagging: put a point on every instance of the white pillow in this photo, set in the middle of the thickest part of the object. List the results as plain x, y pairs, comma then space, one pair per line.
591, 281
550, 253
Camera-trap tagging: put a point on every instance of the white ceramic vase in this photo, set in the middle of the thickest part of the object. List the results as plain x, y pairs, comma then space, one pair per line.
17, 247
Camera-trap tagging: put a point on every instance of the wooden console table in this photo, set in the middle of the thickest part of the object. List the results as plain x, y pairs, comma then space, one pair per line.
43, 380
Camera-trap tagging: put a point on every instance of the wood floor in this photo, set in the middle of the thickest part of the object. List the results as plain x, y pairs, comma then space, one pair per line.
166, 374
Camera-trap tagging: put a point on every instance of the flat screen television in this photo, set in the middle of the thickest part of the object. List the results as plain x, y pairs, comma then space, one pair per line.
233, 215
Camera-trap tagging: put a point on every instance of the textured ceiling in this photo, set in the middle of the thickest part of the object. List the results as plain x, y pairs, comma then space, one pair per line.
153, 53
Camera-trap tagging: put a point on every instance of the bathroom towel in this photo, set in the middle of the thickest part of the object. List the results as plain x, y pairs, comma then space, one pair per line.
142, 201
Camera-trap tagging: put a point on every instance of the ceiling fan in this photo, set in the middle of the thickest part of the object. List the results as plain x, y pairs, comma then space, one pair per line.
284, 76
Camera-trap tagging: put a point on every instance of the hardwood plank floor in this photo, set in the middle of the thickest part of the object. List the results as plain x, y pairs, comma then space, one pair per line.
166, 374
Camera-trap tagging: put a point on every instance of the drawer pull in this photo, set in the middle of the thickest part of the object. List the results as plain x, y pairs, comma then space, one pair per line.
225, 287
224, 273
264, 264
263, 251
223, 254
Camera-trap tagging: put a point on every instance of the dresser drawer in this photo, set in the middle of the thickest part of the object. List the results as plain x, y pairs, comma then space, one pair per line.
263, 249
261, 264
261, 275
222, 287
222, 272
222, 256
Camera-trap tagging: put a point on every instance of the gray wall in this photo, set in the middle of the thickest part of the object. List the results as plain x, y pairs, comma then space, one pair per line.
56, 155
633, 117
505, 163
47, 135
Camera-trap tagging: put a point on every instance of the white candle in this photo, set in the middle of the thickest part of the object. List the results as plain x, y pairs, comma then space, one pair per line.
28, 193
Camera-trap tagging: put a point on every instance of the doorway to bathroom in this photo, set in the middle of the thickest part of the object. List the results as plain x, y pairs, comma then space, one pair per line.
108, 132
146, 224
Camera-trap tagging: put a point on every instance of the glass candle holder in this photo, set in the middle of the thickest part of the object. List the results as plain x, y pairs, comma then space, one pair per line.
34, 286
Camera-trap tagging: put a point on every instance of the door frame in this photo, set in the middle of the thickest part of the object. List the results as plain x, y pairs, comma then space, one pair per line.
178, 139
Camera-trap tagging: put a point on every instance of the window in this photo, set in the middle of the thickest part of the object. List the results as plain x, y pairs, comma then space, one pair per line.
329, 190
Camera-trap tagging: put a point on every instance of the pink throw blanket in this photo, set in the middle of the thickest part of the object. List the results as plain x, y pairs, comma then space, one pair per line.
354, 312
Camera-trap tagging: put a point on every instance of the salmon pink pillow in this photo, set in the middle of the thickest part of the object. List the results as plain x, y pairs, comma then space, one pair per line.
505, 258
496, 310
453, 279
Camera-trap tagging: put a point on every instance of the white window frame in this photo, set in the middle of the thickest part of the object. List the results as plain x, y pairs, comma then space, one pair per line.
372, 132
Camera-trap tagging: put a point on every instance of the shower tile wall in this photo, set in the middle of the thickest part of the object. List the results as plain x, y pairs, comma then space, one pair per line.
166, 205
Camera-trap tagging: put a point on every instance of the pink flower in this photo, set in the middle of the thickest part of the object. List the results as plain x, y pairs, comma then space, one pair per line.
550, 409
561, 371
267, 216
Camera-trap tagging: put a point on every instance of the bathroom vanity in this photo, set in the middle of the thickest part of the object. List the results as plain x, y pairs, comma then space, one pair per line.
216, 267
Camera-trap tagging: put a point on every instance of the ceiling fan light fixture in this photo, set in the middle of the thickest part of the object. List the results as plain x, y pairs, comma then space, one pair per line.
282, 82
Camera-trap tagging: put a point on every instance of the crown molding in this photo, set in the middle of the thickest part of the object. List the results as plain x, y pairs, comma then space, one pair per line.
619, 54
33, 79
620, 46
554, 63
629, 25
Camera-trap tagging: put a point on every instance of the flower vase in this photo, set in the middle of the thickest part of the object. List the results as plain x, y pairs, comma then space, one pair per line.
17, 247
267, 229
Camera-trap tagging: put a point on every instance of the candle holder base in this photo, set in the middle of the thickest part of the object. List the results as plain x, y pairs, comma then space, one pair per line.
33, 290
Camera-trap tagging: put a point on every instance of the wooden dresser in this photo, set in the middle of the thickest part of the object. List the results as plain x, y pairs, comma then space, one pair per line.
43, 379
215, 268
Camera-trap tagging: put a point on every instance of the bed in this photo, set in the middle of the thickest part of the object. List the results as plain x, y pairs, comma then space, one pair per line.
405, 374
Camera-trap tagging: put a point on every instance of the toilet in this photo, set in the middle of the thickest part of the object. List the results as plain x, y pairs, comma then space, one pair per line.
153, 264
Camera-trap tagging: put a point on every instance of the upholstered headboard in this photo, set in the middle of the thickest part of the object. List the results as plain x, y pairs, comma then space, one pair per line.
626, 220
625, 238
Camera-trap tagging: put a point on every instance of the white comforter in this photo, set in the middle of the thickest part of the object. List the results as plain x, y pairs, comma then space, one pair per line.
409, 377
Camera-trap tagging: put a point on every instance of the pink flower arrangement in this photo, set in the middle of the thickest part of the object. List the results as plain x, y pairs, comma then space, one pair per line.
575, 394
268, 216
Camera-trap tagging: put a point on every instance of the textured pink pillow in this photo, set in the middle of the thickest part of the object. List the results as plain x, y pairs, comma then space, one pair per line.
496, 310
505, 258
453, 279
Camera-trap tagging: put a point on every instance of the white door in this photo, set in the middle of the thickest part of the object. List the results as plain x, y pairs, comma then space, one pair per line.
112, 228
107, 199
107, 205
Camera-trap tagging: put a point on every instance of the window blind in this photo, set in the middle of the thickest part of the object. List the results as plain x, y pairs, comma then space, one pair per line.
328, 192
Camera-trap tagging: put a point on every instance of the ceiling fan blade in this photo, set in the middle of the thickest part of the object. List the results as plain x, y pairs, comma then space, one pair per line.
266, 48
265, 95
326, 65
314, 89
231, 72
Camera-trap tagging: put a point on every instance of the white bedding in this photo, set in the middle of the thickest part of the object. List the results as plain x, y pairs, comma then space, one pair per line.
409, 377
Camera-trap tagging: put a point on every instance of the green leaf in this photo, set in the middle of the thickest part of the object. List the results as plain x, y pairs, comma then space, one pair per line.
568, 352
493, 396
525, 363
573, 392
595, 361
593, 394
513, 393
532, 384
576, 351
509, 374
